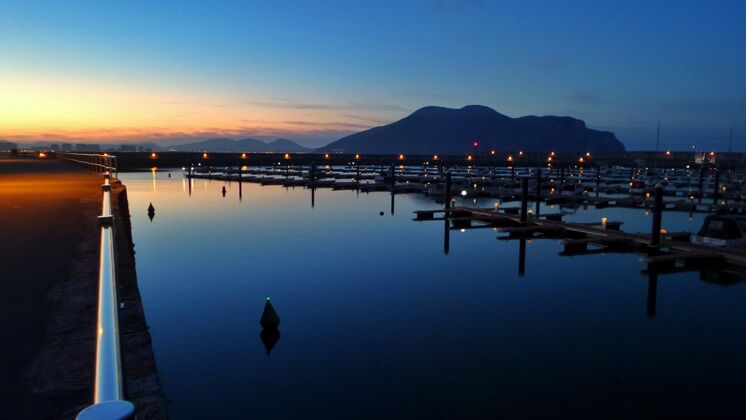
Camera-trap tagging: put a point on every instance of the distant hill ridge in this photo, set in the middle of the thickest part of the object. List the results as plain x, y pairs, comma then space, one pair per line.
434, 129
242, 145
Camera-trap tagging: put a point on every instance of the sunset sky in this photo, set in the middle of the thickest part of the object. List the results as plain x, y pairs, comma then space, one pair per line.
315, 71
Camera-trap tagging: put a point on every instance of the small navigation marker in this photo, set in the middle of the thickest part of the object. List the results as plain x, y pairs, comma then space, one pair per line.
151, 212
223, 190
270, 335
270, 319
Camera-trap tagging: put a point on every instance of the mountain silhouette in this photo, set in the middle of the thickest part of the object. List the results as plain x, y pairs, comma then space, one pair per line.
243, 145
441, 130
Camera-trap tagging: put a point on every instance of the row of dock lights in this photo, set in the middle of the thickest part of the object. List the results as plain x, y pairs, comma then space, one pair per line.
509, 158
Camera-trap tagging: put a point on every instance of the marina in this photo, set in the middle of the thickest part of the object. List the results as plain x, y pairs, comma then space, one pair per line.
483, 257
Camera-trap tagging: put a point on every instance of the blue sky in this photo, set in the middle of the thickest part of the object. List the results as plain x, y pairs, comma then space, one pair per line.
314, 71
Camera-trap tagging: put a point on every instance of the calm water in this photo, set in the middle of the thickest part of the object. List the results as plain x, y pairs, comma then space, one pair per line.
377, 322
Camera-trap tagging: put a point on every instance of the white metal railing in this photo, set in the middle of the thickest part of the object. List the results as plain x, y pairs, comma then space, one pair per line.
108, 398
101, 163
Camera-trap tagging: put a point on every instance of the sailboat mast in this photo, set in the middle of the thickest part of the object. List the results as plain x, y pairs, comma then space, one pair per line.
658, 138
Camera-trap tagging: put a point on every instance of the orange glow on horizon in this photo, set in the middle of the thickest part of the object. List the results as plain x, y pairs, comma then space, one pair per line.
70, 108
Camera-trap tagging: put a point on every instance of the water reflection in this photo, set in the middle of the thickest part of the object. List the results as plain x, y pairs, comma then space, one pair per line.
269, 338
446, 234
522, 257
652, 291
369, 303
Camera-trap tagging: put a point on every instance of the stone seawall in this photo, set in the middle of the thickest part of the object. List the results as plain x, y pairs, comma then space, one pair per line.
142, 384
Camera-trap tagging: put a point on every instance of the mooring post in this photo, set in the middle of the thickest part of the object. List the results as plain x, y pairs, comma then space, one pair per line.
538, 191
393, 177
240, 184
524, 199
701, 179
562, 177
655, 240
716, 188
512, 173
448, 192
357, 177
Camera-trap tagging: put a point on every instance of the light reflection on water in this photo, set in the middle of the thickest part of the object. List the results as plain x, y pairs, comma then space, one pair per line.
377, 321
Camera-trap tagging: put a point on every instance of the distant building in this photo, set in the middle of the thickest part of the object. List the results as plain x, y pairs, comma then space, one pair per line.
127, 148
67, 147
83, 147
54, 146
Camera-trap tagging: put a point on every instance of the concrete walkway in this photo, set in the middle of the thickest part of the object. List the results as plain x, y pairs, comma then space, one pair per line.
48, 286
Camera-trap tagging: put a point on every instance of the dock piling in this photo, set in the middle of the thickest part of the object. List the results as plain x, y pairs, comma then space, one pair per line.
448, 192
524, 199
655, 239
538, 191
